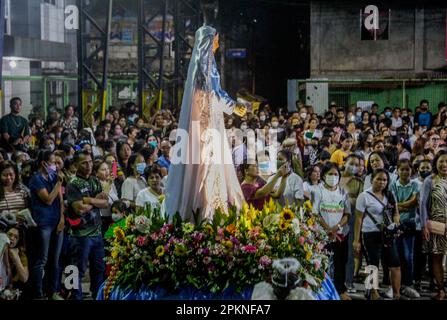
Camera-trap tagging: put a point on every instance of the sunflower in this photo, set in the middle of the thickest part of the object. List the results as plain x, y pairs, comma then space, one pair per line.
228, 244
287, 215
308, 206
310, 222
188, 228
284, 225
209, 228
119, 233
180, 250
160, 251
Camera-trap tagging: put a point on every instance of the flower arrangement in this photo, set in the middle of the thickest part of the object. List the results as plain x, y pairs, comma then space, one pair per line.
234, 250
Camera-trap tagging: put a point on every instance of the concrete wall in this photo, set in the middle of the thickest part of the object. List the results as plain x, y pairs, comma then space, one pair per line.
20, 89
416, 44
25, 18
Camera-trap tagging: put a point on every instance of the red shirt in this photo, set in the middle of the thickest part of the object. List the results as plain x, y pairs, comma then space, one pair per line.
249, 191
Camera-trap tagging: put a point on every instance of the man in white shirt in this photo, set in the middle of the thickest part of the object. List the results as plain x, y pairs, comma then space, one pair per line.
396, 119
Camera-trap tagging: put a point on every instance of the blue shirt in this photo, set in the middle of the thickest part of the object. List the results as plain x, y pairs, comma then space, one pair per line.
44, 215
163, 162
424, 119
404, 193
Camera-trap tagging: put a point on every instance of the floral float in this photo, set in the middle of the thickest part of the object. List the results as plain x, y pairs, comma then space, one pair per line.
232, 252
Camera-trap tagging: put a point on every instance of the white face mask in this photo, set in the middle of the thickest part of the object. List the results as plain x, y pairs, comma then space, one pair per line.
275, 124
352, 169
303, 115
244, 127
117, 216
331, 181
262, 118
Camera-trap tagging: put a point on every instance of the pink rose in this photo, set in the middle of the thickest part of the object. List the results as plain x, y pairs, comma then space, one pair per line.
249, 249
141, 241
154, 236
301, 240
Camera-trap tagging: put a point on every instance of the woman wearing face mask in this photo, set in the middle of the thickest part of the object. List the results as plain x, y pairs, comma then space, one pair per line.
358, 115
48, 143
153, 141
47, 209
102, 171
331, 207
371, 207
277, 129
353, 186
135, 181
117, 132
289, 190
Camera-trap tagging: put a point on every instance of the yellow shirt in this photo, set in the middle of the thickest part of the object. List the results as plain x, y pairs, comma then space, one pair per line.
338, 157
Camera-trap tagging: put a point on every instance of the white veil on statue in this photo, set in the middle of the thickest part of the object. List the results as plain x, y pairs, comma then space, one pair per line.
202, 175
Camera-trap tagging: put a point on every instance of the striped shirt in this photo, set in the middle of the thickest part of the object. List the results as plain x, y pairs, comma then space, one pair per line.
15, 201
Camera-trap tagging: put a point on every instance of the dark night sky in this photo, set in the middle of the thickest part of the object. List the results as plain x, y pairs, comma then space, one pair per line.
281, 40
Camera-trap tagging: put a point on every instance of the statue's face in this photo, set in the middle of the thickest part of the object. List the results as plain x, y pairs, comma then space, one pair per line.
216, 43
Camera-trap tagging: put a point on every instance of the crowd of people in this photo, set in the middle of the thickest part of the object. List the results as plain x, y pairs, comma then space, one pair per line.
377, 181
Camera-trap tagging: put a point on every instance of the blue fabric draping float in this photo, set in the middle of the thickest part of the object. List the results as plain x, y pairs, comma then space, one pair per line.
327, 292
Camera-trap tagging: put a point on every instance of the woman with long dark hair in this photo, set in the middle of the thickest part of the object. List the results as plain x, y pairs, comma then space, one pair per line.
101, 170
14, 196
376, 206
376, 160
312, 179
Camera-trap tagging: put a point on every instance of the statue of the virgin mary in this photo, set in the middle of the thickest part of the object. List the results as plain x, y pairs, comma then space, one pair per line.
202, 175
